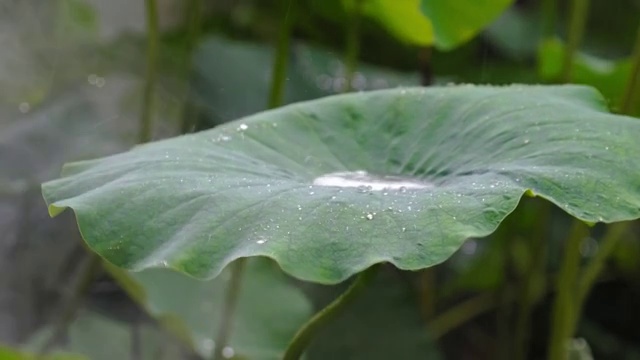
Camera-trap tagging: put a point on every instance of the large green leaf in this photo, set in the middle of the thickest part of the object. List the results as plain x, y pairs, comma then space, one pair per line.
268, 313
309, 184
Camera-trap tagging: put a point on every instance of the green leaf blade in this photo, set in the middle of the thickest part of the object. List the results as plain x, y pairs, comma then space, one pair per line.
197, 202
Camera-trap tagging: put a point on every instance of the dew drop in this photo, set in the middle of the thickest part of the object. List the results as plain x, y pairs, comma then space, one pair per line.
228, 352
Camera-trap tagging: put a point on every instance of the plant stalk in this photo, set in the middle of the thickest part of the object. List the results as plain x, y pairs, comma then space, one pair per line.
549, 18
279, 70
146, 115
229, 308
86, 278
564, 307
589, 275
194, 21
533, 282
631, 97
579, 14
276, 96
304, 336
352, 43
461, 313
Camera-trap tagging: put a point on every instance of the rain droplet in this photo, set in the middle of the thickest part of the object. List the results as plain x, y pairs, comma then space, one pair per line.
24, 107
228, 352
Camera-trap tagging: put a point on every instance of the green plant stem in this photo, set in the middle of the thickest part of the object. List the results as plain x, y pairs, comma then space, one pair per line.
352, 43
579, 13
461, 313
85, 280
549, 18
589, 275
304, 336
146, 115
229, 308
276, 96
631, 96
194, 20
564, 307
278, 73
533, 282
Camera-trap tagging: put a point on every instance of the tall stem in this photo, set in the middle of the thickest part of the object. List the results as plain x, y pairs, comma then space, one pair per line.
549, 18
533, 283
352, 43
194, 21
276, 95
304, 336
278, 73
146, 116
564, 309
579, 13
229, 309
631, 96
86, 278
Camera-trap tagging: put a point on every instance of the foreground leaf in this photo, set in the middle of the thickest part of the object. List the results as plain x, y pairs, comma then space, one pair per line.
268, 313
274, 184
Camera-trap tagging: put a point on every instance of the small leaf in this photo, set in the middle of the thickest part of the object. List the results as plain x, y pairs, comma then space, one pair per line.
268, 313
329, 187
609, 77
457, 21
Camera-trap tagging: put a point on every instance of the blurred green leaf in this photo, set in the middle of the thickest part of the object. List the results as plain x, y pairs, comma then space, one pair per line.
225, 68
457, 21
98, 337
78, 20
268, 314
403, 19
8, 353
609, 77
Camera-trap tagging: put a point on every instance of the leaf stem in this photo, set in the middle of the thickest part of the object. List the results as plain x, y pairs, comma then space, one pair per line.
631, 99
276, 95
352, 43
461, 313
549, 18
229, 308
564, 307
86, 278
533, 282
279, 70
194, 21
579, 14
589, 275
146, 115
304, 336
